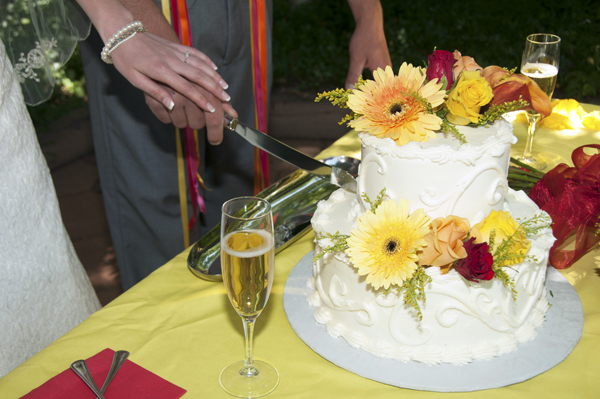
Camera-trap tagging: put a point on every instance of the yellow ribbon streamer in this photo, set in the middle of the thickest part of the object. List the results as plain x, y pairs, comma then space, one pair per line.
166, 9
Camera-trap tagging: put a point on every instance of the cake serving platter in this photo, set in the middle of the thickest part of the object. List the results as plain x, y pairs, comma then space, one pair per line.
556, 338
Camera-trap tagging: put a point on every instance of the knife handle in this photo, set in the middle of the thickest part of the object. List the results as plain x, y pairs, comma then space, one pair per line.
230, 122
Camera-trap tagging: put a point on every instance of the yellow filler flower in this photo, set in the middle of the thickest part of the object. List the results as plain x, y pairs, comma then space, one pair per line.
399, 107
385, 245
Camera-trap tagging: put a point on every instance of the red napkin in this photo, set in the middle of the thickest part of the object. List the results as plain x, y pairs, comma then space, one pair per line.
131, 382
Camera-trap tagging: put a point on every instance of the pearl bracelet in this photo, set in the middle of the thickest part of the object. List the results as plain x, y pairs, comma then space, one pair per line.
124, 34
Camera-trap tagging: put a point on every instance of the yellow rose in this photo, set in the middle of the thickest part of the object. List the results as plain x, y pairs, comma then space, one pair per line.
444, 242
505, 227
468, 96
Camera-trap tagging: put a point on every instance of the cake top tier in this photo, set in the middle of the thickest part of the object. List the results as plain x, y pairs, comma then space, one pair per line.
489, 140
440, 176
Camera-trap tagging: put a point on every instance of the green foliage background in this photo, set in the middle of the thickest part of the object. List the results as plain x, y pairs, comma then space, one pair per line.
310, 43
310, 49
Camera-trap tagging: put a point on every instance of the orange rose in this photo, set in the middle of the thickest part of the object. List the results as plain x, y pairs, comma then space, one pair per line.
444, 242
464, 63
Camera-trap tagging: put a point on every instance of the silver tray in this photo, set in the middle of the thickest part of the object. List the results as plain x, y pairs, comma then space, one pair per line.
293, 202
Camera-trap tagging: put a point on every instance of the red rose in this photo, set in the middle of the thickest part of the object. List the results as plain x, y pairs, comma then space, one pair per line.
439, 64
478, 263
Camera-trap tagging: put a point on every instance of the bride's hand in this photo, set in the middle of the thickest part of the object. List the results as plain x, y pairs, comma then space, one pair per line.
146, 60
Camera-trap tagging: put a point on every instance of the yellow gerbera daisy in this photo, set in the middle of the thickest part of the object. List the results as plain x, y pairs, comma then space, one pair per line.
397, 106
385, 245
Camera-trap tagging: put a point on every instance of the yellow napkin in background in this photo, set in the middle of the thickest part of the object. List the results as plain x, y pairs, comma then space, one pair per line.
566, 114
592, 121
569, 114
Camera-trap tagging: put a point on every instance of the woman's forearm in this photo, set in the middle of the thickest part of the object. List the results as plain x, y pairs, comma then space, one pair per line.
108, 16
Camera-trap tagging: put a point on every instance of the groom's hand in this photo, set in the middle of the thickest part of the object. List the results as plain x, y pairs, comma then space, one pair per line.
185, 113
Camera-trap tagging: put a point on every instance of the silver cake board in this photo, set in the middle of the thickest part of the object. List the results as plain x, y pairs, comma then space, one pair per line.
555, 340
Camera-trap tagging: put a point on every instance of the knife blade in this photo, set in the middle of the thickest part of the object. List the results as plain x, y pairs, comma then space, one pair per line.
333, 174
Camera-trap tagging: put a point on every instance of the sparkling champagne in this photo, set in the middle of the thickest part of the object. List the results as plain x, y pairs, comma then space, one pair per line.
248, 263
542, 74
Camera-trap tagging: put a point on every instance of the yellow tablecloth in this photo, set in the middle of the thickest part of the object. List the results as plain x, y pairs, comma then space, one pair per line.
184, 329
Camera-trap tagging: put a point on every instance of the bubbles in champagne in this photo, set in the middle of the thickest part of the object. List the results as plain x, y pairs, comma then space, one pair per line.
542, 74
248, 243
539, 70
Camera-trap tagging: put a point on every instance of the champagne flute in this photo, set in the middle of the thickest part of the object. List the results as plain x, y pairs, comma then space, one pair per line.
248, 266
540, 62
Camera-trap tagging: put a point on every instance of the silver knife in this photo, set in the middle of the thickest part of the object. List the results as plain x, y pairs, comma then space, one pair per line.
333, 174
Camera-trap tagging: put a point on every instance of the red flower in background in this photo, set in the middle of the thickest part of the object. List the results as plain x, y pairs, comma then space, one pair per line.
439, 65
478, 263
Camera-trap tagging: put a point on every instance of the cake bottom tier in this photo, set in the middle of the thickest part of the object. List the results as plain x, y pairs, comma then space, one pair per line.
462, 321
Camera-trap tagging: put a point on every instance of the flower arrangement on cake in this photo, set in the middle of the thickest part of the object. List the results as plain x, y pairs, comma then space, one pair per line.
391, 246
452, 90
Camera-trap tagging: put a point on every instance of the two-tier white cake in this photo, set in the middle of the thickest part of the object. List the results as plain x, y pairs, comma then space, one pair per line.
461, 320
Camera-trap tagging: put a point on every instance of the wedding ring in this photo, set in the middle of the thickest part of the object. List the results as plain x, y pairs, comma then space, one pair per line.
186, 56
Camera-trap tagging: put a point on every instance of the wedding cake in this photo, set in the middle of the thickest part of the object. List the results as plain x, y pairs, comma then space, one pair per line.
434, 259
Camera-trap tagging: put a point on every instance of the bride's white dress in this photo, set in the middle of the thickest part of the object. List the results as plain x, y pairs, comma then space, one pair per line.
44, 290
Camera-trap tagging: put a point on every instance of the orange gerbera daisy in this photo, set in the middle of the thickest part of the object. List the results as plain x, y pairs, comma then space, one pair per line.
399, 107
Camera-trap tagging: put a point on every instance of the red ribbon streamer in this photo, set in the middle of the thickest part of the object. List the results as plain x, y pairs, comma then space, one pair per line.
571, 196
181, 25
258, 38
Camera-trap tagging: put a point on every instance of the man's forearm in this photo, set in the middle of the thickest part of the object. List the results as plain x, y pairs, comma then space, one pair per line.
367, 12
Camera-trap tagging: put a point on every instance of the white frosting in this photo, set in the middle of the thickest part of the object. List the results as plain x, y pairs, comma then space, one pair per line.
441, 176
462, 321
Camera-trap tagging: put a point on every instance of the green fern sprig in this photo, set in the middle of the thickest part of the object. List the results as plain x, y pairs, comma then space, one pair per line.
496, 111
337, 97
533, 225
378, 200
340, 244
501, 275
361, 81
350, 117
510, 72
503, 255
449, 128
422, 100
415, 290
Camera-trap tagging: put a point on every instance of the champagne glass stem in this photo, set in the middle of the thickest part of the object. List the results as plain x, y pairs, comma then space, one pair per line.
533, 118
249, 370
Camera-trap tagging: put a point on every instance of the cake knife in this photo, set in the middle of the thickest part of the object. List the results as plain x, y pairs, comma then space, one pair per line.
333, 174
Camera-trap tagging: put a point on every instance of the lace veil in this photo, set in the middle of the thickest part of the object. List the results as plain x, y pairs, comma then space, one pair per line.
40, 37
